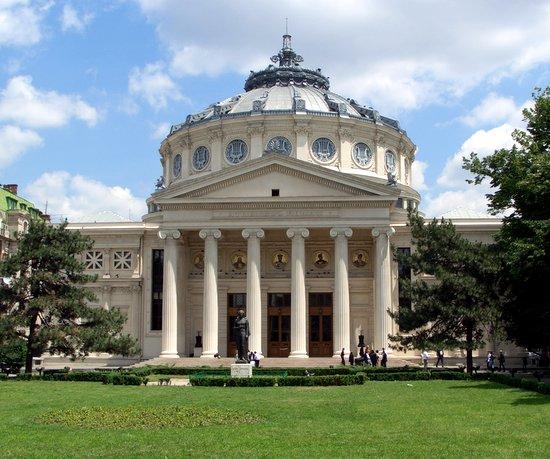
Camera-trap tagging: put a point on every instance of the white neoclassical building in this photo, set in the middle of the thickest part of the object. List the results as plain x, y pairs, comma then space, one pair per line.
283, 201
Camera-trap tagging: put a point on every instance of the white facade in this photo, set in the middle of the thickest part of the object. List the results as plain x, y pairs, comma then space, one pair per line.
283, 194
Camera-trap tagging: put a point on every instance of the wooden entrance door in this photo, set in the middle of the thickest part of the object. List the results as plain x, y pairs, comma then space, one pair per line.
235, 302
278, 324
320, 324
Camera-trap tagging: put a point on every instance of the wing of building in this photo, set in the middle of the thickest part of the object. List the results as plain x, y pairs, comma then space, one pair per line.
282, 201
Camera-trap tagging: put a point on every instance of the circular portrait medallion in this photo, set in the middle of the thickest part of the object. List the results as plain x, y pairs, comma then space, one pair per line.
320, 259
279, 259
198, 260
238, 260
359, 258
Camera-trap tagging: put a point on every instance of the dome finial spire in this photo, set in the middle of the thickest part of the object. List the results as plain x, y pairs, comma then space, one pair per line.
286, 56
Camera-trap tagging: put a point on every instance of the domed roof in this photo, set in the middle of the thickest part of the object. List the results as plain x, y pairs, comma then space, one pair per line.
285, 89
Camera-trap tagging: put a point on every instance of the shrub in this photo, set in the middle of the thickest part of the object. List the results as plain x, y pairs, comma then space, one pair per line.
266, 381
522, 383
12, 355
25, 377
3, 377
92, 376
121, 379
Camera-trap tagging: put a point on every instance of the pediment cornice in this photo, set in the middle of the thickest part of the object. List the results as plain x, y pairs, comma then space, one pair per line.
202, 186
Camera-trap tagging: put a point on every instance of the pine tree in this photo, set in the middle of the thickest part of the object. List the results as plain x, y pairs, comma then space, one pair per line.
520, 185
46, 303
452, 292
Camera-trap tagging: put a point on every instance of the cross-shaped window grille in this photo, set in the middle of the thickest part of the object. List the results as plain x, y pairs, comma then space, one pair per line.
122, 260
93, 259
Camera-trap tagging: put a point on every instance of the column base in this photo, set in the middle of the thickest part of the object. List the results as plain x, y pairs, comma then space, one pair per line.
298, 355
208, 355
169, 355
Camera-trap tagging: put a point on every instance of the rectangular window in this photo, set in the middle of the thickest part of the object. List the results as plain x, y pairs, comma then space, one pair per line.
156, 288
275, 192
12, 203
93, 259
404, 272
122, 259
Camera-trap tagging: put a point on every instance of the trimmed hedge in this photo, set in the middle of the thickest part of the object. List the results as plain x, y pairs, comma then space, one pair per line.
270, 381
91, 376
3, 377
418, 376
121, 379
522, 383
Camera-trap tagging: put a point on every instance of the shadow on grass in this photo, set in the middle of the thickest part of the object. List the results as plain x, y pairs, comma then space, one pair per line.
531, 398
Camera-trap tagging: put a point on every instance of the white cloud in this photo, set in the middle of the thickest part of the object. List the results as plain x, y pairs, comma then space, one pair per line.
74, 196
153, 84
491, 110
482, 142
417, 174
472, 198
72, 20
394, 55
22, 103
14, 142
20, 23
161, 131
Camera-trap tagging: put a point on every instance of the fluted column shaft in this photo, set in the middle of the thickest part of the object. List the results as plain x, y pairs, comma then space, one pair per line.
210, 295
382, 286
253, 288
341, 290
169, 342
298, 313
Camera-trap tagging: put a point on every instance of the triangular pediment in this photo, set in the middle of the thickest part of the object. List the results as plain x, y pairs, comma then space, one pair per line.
295, 179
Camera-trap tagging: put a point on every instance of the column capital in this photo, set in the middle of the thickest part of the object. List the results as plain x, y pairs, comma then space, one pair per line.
387, 230
335, 232
253, 232
165, 234
210, 232
291, 233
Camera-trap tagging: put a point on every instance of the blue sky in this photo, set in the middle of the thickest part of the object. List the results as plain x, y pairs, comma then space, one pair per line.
88, 89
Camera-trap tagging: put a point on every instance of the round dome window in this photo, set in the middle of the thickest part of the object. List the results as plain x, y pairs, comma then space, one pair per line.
324, 150
362, 154
279, 145
391, 162
201, 159
236, 151
176, 167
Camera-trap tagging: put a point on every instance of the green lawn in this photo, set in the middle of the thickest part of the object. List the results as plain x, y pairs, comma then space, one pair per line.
412, 419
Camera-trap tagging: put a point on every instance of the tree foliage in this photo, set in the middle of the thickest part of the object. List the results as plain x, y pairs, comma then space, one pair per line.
520, 188
452, 290
46, 303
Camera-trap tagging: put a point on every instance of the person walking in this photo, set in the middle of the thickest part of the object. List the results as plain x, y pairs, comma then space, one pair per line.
439, 358
501, 361
351, 358
384, 359
490, 361
373, 357
343, 356
425, 358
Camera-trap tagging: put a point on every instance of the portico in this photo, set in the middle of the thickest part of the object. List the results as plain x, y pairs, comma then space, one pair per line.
252, 244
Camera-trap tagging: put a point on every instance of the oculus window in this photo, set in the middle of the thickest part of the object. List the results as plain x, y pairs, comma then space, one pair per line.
323, 150
390, 161
236, 151
176, 167
279, 145
201, 159
362, 154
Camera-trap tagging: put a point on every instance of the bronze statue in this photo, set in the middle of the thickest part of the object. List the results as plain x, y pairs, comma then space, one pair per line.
242, 332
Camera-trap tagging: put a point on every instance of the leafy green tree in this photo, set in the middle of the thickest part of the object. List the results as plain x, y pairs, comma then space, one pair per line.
46, 303
452, 290
520, 189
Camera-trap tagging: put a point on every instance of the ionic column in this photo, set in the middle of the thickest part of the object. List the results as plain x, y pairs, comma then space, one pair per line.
341, 290
210, 295
382, 286
298, 317
169, 347
253, 289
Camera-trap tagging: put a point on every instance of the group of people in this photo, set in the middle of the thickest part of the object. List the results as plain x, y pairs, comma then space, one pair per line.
491, 361
426, 358
254, 358
366, 357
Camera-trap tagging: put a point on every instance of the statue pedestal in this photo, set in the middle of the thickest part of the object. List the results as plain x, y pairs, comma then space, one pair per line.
241, 370
197, 351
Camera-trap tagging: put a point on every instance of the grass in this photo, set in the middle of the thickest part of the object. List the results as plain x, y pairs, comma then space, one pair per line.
413, 419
